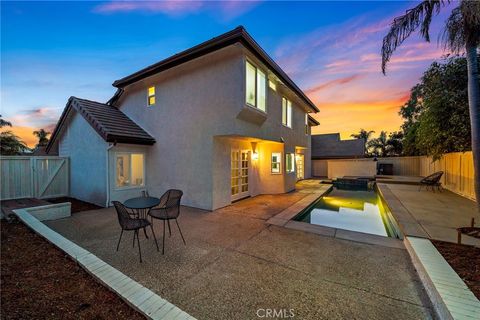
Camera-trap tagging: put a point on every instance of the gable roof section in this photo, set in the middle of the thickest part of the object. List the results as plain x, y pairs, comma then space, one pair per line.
329, 146
312, 121
238, 34
108, 121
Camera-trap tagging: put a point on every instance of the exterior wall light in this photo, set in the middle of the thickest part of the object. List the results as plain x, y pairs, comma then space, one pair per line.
255, 156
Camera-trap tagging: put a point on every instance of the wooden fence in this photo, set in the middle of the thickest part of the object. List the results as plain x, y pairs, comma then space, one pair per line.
458, 168
33, 177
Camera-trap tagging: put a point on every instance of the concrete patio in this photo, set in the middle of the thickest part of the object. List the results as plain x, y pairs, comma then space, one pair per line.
235, 264
433, 215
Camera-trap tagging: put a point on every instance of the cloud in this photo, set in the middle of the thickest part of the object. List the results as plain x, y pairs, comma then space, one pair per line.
169, 7
174, 8
331, 83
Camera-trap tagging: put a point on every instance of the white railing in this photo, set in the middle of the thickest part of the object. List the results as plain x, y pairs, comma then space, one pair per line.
457, 167
34, 177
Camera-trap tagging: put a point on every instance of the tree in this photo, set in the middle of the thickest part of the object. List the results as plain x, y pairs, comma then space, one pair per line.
461, 33
395, 143
4, 123
42, 136
379, 145
10, 144
365, 135
437, 114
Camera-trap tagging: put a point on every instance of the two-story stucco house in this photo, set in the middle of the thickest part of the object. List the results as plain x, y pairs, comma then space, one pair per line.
220, 121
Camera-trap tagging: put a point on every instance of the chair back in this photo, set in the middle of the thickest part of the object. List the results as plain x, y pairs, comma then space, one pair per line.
433, 178
122, 214
172, 205
145, 193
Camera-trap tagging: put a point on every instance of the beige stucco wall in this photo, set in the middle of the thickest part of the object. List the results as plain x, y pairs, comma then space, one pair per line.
195, 103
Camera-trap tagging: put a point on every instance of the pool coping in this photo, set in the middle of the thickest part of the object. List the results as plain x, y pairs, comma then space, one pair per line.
449, 295
140, 298
284, 219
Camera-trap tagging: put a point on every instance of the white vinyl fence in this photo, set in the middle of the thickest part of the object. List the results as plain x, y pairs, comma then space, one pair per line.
457, 168
34, 177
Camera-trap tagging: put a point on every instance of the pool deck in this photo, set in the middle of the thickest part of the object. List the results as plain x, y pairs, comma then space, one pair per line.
432, 215
235, 264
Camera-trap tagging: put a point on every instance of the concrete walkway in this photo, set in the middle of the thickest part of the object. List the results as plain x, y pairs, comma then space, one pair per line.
235, 265
433, 215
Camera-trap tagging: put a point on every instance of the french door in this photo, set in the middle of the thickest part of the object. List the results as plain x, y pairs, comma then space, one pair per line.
300, 166
240, 162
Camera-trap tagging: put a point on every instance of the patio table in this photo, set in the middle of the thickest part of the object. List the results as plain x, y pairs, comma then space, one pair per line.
141, 206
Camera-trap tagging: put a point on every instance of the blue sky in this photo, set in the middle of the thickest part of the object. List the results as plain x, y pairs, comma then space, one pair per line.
53, 50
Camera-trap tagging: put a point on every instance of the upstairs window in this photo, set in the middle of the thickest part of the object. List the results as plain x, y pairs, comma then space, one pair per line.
256, 87
286, 112
290, 162
151, 96
276, 162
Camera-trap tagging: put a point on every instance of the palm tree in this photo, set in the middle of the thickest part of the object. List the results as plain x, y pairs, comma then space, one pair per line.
379, 145
11, 145
4, 123
42, 136
365, 135
461, 33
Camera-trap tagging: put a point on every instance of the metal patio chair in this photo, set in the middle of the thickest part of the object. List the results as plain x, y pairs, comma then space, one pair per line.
432, 181
169, 209
127, 223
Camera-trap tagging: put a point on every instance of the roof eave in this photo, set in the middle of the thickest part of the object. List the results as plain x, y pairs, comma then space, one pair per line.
238, 34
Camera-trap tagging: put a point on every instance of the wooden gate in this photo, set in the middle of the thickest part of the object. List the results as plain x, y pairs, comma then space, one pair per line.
34, 177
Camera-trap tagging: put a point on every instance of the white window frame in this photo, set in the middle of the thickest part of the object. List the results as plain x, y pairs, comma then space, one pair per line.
130, 171
279, 163
151, 95
257, 69
292, 155
306, 125
287, 110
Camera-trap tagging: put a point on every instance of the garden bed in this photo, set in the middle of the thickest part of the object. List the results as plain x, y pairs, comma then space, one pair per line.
39, 282
465, 260
77, 205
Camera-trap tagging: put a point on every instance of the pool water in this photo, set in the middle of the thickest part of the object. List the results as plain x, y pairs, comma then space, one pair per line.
355, 210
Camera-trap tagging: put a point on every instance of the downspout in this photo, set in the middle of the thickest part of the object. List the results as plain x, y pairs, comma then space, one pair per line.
110, 146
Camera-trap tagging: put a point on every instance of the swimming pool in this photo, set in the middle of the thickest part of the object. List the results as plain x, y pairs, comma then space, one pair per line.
355, 209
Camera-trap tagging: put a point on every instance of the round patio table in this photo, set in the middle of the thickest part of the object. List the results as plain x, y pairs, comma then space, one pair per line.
141, 206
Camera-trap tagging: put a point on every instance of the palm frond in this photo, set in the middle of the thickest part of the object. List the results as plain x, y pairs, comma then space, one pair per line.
462, 27
403, 26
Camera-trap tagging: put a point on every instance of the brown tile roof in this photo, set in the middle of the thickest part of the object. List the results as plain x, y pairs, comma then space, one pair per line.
108, 121
330, 146
238, 34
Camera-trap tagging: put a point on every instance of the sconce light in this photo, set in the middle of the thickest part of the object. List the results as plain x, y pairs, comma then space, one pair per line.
254, 151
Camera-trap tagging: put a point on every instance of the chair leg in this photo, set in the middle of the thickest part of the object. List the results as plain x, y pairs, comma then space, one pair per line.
163, 242
180, 232
145, 231
154, 237
139, 250
118, 244
134, 234
169, 230
420, 188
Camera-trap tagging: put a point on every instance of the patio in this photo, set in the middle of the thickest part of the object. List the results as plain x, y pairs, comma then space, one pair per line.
234, 264
433, 215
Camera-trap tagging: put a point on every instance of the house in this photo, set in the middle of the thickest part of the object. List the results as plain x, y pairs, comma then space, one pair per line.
329, 147
220, 121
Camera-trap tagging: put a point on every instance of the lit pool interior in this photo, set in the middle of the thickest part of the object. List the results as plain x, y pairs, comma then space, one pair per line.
355, 209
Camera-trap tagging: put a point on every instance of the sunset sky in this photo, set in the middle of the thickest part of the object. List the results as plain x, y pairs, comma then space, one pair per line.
53, 50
